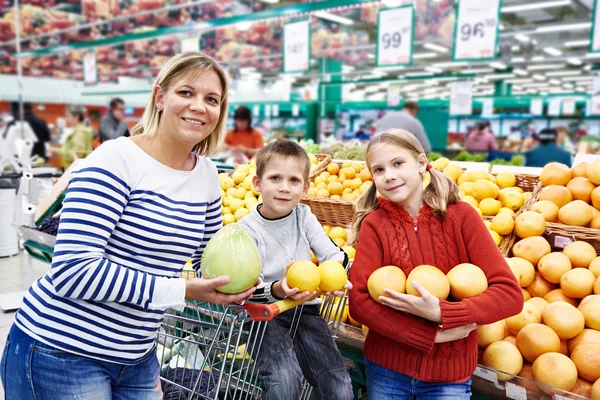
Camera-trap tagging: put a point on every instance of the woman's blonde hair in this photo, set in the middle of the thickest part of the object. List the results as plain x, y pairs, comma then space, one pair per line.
440, 192
184, 66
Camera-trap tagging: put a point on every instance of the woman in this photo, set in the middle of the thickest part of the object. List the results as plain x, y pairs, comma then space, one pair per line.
243, 139
137, 209
79, 140
481, 139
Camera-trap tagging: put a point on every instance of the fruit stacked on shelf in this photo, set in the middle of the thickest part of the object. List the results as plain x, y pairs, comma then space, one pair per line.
345, 180
238, 195
570, 196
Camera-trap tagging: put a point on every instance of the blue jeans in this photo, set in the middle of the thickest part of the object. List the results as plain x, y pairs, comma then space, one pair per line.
313, 353
31, 369
386, 384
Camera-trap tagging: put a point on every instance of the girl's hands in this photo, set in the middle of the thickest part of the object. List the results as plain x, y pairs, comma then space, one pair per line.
205, 290
450, 335
427, 306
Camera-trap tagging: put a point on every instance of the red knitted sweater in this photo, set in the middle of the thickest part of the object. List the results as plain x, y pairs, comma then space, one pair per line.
404, 342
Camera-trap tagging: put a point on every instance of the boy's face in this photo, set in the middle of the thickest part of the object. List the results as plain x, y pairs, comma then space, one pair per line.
282, 186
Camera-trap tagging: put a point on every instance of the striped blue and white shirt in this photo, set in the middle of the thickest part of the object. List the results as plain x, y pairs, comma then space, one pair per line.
127, 227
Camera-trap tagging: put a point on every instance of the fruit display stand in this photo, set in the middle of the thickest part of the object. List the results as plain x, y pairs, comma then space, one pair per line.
324, 160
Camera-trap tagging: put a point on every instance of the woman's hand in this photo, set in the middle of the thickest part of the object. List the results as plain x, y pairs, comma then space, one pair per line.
450, 335
340, 293
205, 290
427, 306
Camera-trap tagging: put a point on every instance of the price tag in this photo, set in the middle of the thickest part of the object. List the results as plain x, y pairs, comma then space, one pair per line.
275, 110
267, 111
295, 110
191, 43
562, 242
395, 34
568, 107
515, 392
90, 70
393, 96
554, 107
595, 43
296, 46
487, 107
256, 110
595, 101
461, 98
476, 31
536, 107
486, 374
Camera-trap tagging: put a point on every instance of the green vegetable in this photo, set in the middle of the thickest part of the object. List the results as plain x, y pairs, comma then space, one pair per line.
432, 156
464, 156
232, 252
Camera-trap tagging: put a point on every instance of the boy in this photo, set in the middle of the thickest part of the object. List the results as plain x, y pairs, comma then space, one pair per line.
285, 231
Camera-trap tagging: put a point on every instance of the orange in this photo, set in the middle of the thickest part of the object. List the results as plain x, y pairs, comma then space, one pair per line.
586, 357
488, 334
559, 195
576, 213
555, 370
580, 253
579, 170
466, 280
530, 223
558, 295
335, 188
555, 173
529, 315
553, 266
333, 168
503, 356
586, 336
581, 189
590, 308
548, 209
532, 249
593, 172
566, 320
539, 287
536, 339
577, 283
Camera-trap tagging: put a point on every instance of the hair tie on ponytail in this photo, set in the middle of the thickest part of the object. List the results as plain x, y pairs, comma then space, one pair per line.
428, 167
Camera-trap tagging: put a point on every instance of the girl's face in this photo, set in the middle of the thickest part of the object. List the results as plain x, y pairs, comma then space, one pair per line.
71, 120
397, 174
190, 109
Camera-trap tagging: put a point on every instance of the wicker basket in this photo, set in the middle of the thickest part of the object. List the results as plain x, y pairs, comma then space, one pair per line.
559, 235
331, 212
525, 181
324, 160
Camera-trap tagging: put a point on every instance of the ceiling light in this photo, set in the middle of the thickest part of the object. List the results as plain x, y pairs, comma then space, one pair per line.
563, 28
568, 86
425, 55
536, 6
587, 79
588, 67
243, 26
333, 17
519, 81
522, 38
592, 55
476, 71
270, 1
534, 85
580, 90
554, 82
515, 49
539, 77
540, 67
418, 74
371, 55
499, 76
435, 47
497, 65
552, 51
393, 3
564, 73
574, 61
520, 72
451, 64
518, 60
577, 43
538, 58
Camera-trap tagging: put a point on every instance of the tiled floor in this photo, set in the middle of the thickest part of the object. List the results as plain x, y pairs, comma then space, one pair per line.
15, 277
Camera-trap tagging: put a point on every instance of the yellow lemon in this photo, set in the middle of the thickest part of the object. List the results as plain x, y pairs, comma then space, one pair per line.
503, 224
228, 219
333, 168
471, 200
483, 189
313, 192
323, 193
506, 210
490, 206
227, 183
240, 213
497, 238
350, 251
467, 188
236, 204
338, 232
453, 171
327, 229
505, 179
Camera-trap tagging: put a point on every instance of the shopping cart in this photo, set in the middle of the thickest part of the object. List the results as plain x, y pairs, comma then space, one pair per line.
206, 351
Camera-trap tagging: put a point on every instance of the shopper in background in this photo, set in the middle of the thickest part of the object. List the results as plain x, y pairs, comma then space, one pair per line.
243, 139
285, 231
547, 151
562, 139
134, 213
13, 136
481, 139
406, 120
39, 127
421, 347
79, 141
113, 125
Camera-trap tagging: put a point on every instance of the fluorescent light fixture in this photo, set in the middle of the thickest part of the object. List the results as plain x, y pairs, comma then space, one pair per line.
371, 55
497, 65
270, 1
520, 81
588, 67
554, 82
563, 73
564, 28
518, 60
418, 74
587, 79
520, 72
580, 90
477, 71
536, 6
393, 3
574, 61
394, 68
425, 55
515, 48
499, 76
577, 43
347, 68
552, 51
333, 17
534, 85
243, 26
522, 38
435, 47
538, 58
592, 55
539, 77
541, 67
451, 64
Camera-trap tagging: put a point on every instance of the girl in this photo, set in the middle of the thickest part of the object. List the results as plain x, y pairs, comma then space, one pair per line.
420, 346
79, 140
135, 211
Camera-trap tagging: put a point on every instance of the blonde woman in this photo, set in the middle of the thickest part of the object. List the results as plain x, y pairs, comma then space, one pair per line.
421, 347
135, 211
79, 140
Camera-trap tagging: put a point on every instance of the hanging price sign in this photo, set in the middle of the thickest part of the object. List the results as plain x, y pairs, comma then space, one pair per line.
476, 30
595, 33
90, 68
395, 34
296, 46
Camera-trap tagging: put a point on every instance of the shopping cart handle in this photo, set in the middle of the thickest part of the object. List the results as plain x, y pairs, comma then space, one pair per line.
266, 312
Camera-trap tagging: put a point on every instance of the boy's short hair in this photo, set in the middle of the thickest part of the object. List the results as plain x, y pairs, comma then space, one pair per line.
282, 148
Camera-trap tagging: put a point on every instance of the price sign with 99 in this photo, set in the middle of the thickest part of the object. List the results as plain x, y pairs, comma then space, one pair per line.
395, 36
476, 29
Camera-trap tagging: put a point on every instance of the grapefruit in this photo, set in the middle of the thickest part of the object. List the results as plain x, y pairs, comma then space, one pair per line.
597, 286
539, 302
595, 219
304, 275
555, 370
595, 266
579, 170
547, 209
586, 357
503, 356
516, 270
581, 189
558, 295
537, 339
590, 308
566, 320
577, 283
564, 348
530, 223
333, 276
576, 213
503, 224
528, 315
555, 173
431, 279
596, 390
532, 249
559, 195
586, 336
593, 172
526, 294
596, 198
580, 253
488, 334
511, 339
466, 280
388, 277
539, 287
553, 266
527, 269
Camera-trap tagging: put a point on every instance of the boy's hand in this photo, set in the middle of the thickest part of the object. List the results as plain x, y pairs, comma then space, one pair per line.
294, 293
340, 293
427, 306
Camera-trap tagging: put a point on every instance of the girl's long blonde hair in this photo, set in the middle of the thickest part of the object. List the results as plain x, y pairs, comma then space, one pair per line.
186, 65
440, 192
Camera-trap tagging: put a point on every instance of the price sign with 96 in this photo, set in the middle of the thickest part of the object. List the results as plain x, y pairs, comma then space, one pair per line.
395, 32
296, 46
476, 32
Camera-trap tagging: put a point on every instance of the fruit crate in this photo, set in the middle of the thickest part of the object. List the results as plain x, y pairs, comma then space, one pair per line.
324, 160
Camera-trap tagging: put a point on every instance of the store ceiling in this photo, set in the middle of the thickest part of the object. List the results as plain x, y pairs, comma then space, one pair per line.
543, 43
